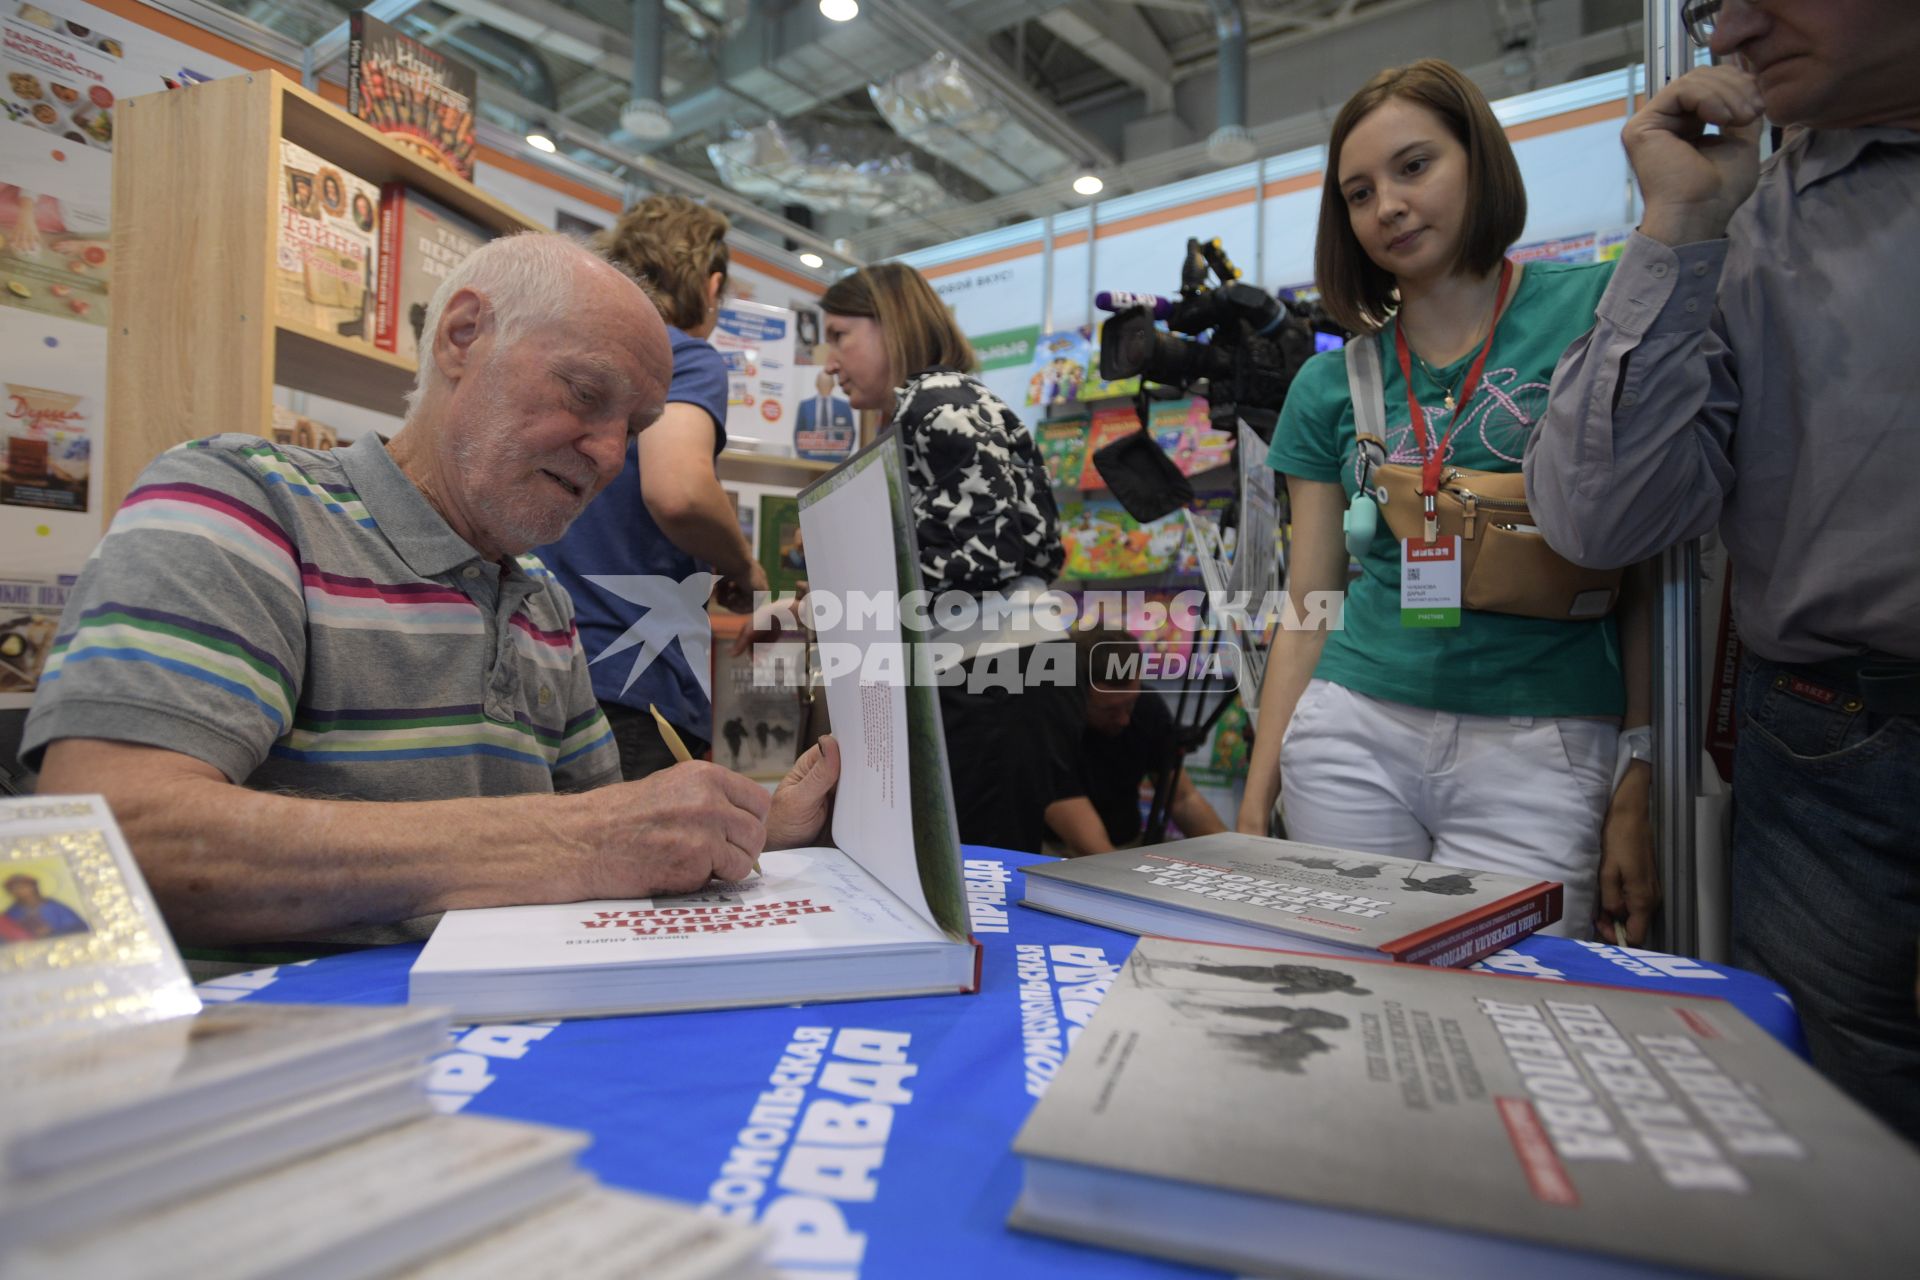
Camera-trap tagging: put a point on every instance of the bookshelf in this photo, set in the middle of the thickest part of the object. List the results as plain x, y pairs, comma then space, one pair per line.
195, 347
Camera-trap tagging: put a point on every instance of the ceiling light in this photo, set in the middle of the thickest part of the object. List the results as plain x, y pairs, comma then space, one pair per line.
840, 10
539, 141
1088, 184
813, 260
646, 118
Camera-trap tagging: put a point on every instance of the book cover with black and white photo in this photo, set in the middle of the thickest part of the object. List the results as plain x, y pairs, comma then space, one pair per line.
1255, 891
1271, 1111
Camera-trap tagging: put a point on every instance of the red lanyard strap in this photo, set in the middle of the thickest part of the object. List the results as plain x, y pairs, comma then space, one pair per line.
1431, 458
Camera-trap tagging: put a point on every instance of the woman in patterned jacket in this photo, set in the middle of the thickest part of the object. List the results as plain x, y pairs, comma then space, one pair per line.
986, 522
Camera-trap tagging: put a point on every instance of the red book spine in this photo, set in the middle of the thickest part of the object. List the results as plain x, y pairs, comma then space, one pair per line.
386, 297
1489, 930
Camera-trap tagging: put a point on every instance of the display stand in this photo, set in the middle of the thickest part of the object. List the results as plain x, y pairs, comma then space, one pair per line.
196, 347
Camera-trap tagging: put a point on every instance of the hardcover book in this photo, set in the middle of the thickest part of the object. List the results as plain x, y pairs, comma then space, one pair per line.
598, 1233
1313, 1115
783, 548
412, 93
880, 913
421, 242
99, 1096
1253, 891
1063, 447
363, 1208
43, 1206
82, 944
1110, 423
326, 246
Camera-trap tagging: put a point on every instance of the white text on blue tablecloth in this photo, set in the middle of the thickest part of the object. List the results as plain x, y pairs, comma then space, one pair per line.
814, 1142
987, 894
1060, 987
454, 1077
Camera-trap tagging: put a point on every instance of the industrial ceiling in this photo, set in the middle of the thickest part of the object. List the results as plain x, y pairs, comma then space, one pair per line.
920, 121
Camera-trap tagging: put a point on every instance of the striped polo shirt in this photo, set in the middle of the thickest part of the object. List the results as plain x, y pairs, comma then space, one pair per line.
305, 621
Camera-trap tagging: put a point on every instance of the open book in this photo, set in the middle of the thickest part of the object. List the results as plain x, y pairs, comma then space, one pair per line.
881, 913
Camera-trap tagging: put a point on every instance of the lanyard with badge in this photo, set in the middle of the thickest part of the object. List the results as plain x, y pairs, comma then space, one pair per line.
1430, 568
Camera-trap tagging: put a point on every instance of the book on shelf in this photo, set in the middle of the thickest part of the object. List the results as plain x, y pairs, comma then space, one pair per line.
98, 1096
882, 912
1315, 1115
364, 1208
1102, 541
1184, 429
414, 94
326, 245
82, 944
1063, 448
598, 1233
1109, 423
1098, 387
1059, 367
1255, 891
783, 548
421, 242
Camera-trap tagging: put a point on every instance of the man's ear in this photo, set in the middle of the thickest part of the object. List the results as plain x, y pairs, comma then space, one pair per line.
466, 319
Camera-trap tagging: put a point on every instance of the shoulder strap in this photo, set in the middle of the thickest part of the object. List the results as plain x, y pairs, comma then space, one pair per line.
1368, 389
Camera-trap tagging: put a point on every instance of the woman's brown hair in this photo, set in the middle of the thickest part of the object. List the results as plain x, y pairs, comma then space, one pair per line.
1356, 292
673, 246
917, 328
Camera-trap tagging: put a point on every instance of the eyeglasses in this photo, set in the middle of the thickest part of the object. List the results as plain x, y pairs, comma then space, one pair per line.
1701, 16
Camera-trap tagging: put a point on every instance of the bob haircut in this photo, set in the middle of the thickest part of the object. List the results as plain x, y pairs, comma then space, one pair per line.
672, 245
917, 329
1356, 292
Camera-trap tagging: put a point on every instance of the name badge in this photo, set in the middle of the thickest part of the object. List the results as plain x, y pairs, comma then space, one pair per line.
1430, 583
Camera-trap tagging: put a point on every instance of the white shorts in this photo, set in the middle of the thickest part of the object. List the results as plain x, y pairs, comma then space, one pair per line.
1520, 794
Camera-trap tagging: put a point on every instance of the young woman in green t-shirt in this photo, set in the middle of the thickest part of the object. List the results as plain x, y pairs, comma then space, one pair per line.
1495, 743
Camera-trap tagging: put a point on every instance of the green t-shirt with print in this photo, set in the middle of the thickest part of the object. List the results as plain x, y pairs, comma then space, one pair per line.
1492, 664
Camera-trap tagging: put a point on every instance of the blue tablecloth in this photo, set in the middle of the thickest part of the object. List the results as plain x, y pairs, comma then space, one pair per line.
873, 1137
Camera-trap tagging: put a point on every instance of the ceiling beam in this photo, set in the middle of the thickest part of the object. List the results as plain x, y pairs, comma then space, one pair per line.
1123, 42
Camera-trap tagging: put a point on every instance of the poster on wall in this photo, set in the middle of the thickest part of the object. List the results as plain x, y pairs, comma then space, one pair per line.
824, 428
60, 74
46, 446
756, 342
54, 256
67, 69
30, 608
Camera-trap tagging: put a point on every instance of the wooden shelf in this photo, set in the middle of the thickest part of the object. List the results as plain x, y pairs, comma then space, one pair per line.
767, 468
326, 364
195, 345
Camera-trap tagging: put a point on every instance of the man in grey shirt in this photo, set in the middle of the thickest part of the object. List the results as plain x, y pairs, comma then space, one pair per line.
327, 693
1753, 365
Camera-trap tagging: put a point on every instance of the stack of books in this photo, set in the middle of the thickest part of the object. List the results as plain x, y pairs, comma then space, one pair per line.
259, 1139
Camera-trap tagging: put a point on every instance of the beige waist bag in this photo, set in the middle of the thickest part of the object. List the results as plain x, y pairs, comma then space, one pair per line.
1506, 565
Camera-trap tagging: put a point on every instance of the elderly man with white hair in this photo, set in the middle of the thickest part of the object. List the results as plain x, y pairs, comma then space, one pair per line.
328, 694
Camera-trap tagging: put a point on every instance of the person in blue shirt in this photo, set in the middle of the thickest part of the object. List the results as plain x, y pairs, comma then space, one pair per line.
36, 915
639, 560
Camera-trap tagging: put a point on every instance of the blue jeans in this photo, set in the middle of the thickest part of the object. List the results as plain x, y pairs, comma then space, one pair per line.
1826, 877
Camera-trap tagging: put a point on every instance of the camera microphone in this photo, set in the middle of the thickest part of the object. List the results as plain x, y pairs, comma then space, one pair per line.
1121, 299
